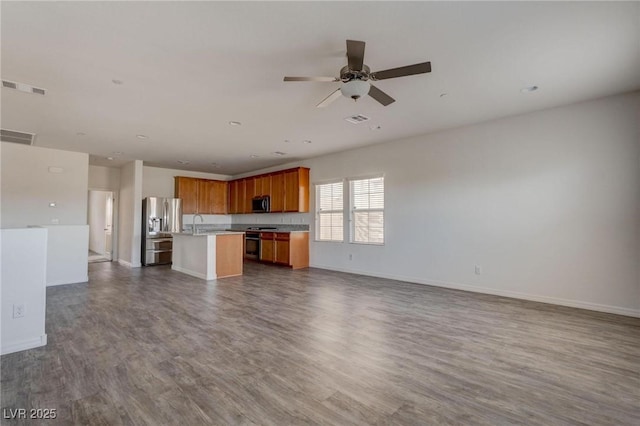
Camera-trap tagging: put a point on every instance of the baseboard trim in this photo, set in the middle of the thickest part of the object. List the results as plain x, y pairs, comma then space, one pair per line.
496, 292
192, 273
63, 282
23, 345
129, 264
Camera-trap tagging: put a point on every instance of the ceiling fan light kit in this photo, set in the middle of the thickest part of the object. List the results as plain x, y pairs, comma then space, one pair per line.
355, 89
356, 75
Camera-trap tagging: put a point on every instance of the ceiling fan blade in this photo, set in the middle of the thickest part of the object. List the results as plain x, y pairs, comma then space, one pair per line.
380, 96
355, 54
402, 71
327, 79
332, 97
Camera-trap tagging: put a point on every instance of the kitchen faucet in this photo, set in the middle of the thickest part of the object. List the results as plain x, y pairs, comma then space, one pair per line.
193, 226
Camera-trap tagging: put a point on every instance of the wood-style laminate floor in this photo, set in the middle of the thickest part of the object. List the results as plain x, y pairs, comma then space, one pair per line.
152, 346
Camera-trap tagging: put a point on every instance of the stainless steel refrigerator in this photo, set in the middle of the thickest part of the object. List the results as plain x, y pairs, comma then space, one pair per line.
160, 217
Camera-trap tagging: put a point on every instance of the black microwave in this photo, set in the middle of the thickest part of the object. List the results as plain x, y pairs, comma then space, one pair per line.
260, 204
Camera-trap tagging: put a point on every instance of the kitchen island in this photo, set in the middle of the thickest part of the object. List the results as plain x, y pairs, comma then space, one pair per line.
208, 255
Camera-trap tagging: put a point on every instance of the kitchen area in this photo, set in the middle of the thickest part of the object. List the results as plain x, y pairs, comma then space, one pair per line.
174, 232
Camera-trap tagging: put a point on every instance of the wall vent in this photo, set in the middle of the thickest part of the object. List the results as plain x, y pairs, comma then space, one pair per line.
23, 87
357, 119
12, 136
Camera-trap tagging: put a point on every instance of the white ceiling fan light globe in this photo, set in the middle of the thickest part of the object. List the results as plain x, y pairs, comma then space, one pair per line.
355, 89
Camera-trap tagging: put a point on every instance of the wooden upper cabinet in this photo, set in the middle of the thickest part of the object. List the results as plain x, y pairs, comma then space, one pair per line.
288, 189
205, 197
296, 190
236, 196
201, 196
219, 197
187, 189
277, 192
249, 193
263, 185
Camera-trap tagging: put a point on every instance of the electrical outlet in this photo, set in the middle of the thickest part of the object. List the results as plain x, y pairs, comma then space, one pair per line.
478, 269
18, 311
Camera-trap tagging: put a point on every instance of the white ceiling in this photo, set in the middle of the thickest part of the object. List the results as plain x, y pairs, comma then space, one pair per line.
190, 68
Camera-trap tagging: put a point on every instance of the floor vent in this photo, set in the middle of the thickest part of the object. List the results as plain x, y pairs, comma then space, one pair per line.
23, 87
357, 119
12, 136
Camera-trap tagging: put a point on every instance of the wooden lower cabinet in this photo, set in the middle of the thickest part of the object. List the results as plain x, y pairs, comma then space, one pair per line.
267, 247
285, 248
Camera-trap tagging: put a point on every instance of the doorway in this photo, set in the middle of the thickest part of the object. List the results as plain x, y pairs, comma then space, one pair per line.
100, 219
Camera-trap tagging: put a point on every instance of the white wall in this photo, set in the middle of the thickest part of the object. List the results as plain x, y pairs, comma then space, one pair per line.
104, 178
23, 276
28, 186
67, 254
130, 214
547, 203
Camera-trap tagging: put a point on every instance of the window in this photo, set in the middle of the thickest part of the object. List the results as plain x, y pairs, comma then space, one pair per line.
329, 212
367, 210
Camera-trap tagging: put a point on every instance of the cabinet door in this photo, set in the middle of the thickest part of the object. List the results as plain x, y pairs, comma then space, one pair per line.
282, 249
242, 199
206, 194
291, 191
250, 188
187, 190
263, 185
233, 197
277, 192
219, 197
267, 249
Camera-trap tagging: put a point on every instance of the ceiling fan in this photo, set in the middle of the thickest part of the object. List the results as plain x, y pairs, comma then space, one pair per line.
356, 77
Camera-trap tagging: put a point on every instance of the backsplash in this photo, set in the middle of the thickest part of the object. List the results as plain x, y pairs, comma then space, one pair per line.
245, 226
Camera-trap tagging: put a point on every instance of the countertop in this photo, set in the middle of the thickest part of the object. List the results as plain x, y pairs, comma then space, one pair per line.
207, 233
287, 231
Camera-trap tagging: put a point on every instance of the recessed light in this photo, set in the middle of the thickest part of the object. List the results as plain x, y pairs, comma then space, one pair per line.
81, 134
183, 162
254, 156
279, 153
529, 89
110, 158
307, 141
115, 81
235, 123
142, 136
375, 127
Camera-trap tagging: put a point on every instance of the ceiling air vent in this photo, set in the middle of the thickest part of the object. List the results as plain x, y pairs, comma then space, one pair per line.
357, 119
17, 137
23, 87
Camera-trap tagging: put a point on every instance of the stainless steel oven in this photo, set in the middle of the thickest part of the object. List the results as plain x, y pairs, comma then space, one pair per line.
252, 245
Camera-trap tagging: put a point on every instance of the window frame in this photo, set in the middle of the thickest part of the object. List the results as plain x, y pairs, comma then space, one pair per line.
318, 213
352, 209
